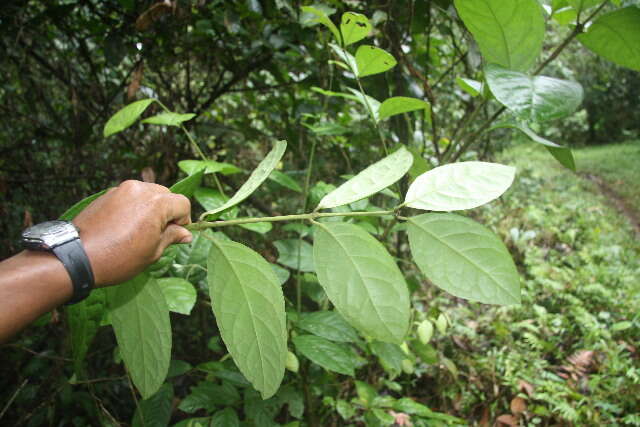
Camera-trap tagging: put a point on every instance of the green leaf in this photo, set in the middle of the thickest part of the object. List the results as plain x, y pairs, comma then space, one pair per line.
464, 258
194, 254
227, 418
285, 180
533, 98
329, 355
389, 355
156, 410
194, 422
179, 294
400, 104
323, 19
354, 27
328, 324
140, 318
458, 186
178, 367
562, 154
472, 87
508, 33
256, 178
74, 210
335, 94
247, 301
208, 395
292, 397
187, 186
616, 37
192, 166
168, 119
373, 60
126, 117
296, 254
365, 100
366, 393
258, 227
565, 15
362, 280
375, 178
84, 320
581, 5
621, 326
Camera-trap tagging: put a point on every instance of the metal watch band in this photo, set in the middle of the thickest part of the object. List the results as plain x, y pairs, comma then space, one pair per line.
76, 261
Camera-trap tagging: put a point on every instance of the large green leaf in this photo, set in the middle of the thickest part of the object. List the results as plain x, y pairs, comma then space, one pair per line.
84, 320
192, 257
533, 98
616, 37
362, 280
458, 186
257, 177
464, 258
354, 27
295, 253
188, 185
509, 33
179, 294
247, 301
323, 19
74, 210
225, 418
373, 60
400, 104
140, 318
375, 178
156, 410
168, 119
126, 117
210, 166
328, 324
331, 356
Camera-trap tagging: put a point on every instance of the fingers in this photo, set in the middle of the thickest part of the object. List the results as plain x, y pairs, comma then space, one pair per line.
177, 209
175, 234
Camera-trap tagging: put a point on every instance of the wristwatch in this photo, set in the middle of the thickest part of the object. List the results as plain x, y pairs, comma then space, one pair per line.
62, 238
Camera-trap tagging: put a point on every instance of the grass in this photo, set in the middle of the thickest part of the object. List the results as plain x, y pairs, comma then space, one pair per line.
618, 165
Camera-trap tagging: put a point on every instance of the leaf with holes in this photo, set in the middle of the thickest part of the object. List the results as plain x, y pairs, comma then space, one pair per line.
373, 60
533, 98
508, 33
140, 318
616, 37
375, 178
354, 27
168, 119
458, 186
248, 303
256, 178
362, 280
464, 258
126, 117
401, 104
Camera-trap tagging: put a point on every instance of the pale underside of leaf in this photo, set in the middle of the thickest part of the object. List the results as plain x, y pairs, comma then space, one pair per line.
249, 307
373, 179
464, 258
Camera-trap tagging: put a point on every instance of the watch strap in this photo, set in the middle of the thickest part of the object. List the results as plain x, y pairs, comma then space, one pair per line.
75, 260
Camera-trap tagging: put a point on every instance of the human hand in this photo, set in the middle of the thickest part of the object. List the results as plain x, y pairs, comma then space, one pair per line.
129, 227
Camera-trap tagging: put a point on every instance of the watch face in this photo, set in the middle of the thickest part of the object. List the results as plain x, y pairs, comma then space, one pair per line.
49, 234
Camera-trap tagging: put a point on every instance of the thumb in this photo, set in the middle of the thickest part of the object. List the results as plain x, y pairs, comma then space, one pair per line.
175, 234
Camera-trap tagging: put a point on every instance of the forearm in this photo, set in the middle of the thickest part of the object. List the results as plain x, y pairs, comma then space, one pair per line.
31, 284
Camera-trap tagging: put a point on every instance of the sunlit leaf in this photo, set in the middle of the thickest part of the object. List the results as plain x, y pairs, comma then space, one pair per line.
533, 98
140, 318
126, 117
362, 280
373, 60
331, 356
458, 186
168, 119
376, 177
509, 33
464, 258
256, 178
354, 27
323, 19
472, 87
247, 301
192, 166
616, 37
179, 294
400, 104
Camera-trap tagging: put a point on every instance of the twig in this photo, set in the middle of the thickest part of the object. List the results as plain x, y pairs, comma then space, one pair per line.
15, 394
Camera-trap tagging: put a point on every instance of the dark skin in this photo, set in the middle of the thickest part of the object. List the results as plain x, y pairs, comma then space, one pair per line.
123, 232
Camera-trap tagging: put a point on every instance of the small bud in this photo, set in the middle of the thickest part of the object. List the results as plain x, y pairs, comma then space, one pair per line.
425, 331
441, 323
292, 363
407, 366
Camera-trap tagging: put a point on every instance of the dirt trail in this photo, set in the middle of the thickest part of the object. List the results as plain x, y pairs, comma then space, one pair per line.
621, 205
